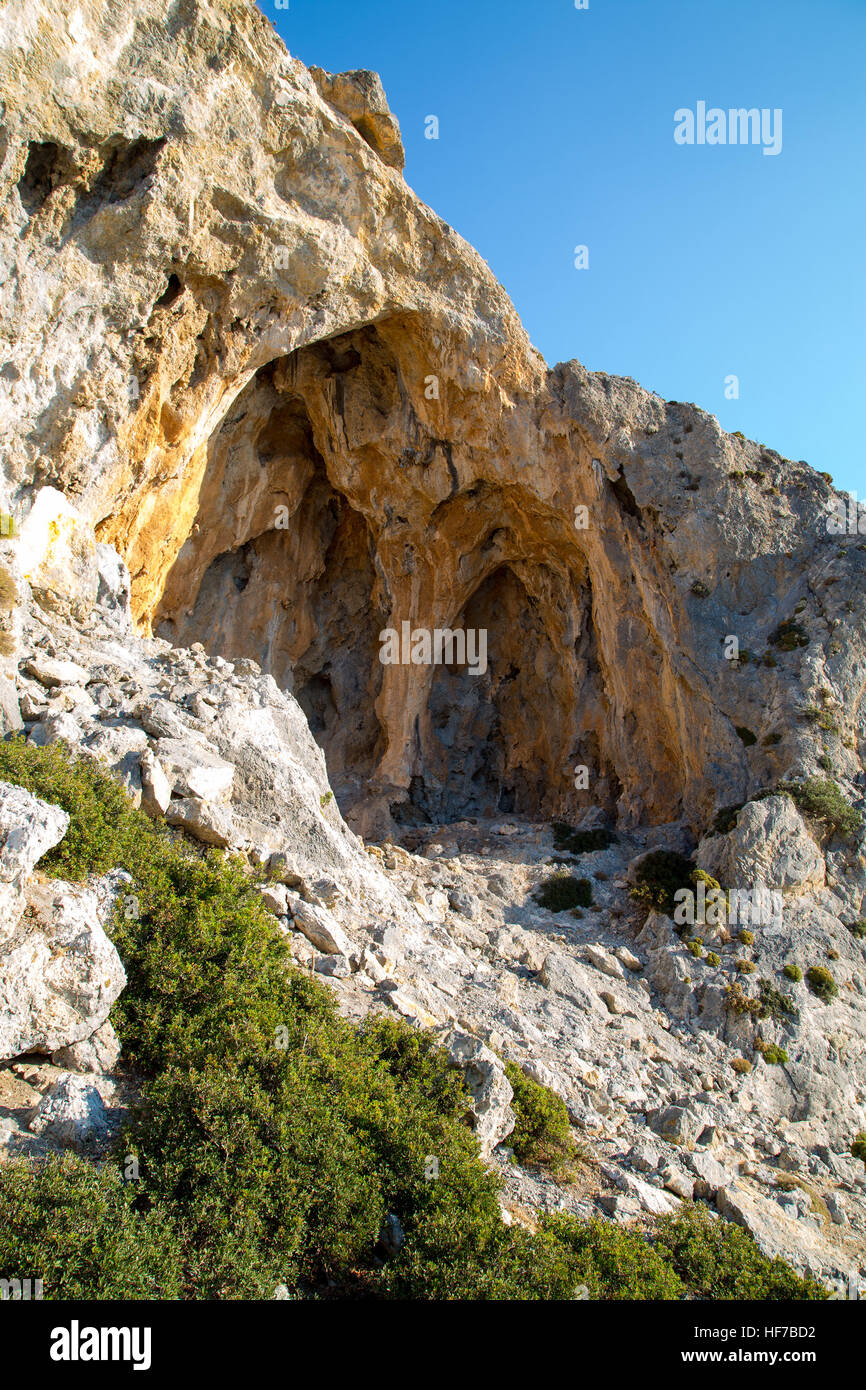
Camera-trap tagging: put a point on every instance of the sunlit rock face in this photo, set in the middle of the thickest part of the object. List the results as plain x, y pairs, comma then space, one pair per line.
304, 411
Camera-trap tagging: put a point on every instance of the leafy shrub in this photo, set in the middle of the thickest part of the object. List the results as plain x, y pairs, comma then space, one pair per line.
822, 718
616, 1263
659, 876
542, 1131
725, 819
858, 929
572, 841
81, 1230
737, 1001
775, 1004
746, 967
821, 983
721, 1261
742, 1065
793, 972
788, 636
821, 800
713, 958
774, 1055
747, 937
563, 891
858, 1146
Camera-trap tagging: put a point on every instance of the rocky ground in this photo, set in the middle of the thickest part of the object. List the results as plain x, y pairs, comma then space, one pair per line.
607, 1005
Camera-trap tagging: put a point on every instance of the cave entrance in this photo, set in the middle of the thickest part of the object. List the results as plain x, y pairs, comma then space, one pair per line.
487, 746
278, 567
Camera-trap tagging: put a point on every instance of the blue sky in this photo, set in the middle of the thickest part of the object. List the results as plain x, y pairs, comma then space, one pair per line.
556, 130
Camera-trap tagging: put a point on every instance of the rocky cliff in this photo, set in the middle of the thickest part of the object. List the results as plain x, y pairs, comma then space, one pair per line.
260, 404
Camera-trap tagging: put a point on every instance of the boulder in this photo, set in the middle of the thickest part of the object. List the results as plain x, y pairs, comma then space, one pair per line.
29, 827
59, 972
195, 771
211, 823
565, 977
98, 1053
489, 1088
319, 926
72, 1114
770, 846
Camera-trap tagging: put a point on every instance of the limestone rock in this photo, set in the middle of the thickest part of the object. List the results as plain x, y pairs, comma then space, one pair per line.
563, 976
770, 846
267, 405
72, 1114
489, 1087
195, 772
29, 827
98, 1053
207, 821
319, 926
155, 786
51, 672
59, 973
361, 97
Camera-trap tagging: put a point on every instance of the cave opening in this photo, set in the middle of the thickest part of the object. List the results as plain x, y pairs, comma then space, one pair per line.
296, 555
278, 567
486, 747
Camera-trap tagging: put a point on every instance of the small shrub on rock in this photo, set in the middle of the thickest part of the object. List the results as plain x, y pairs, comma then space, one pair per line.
659, 876
563, 891
542, 1131
821, 983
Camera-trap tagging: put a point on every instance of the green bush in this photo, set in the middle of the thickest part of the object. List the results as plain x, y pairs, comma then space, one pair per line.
659, 876
793, 972
821, 800
725, 819
572, 841
713, 958
542, 1130
274, 1136
775, 1004
858, 1146
858, 929
821, 983
83, 1231
615, 1263
563, 891
788, 636
718, 1260
821, 718
774, 1055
